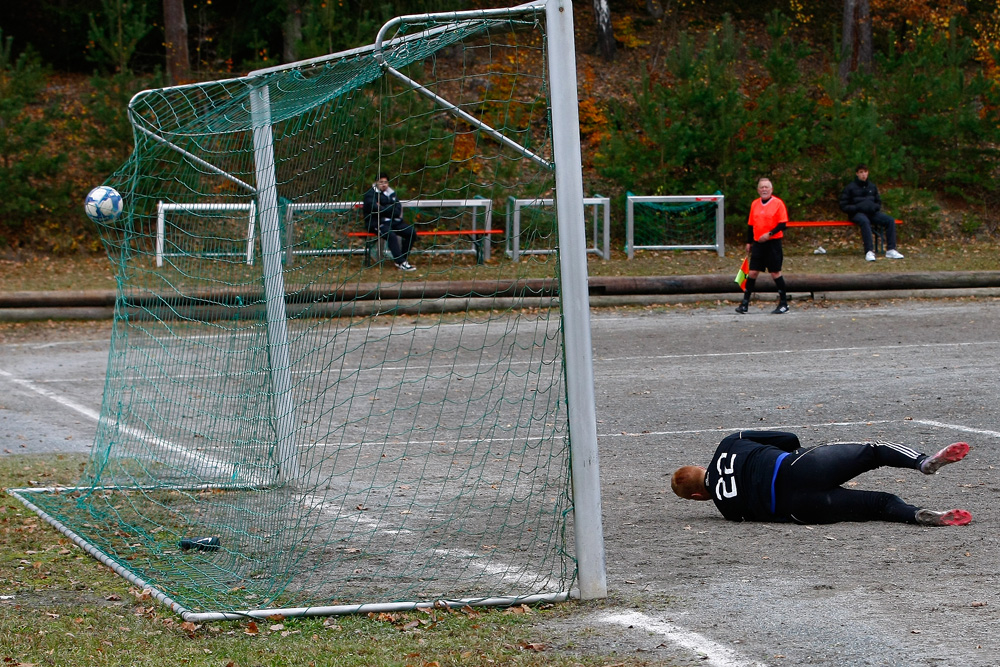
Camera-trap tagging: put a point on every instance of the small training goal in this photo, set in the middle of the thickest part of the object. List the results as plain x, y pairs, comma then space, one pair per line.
675, 222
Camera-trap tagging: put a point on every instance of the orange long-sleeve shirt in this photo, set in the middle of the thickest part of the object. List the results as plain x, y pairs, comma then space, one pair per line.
765, 217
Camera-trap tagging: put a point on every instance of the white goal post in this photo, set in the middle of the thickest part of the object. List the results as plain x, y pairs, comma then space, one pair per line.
717, 244
600, 226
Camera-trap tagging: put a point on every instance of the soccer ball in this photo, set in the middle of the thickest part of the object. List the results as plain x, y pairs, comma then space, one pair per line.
103, 204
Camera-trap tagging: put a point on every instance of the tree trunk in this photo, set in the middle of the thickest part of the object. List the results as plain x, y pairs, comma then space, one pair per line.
653, 9
847, 41
864, 35
605, 35
175, 30
292, 31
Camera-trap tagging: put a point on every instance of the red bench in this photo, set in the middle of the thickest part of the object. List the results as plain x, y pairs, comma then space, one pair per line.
479, 238
877, 232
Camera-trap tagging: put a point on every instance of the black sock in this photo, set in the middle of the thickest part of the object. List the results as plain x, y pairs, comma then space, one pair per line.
779, 282
748, 289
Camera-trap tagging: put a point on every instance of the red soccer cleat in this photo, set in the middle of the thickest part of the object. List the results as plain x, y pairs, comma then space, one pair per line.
950, 454
946, 518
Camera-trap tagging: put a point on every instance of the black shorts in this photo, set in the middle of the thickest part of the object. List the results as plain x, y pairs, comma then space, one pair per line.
766, 256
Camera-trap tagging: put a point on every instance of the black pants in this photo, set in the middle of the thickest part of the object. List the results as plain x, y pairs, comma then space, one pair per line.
398, 235
865, 222
808, 488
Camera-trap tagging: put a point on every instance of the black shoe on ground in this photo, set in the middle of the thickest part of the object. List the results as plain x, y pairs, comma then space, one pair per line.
742, 308
781, 309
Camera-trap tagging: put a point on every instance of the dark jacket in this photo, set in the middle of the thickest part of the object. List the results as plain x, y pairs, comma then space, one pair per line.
378, 207
860, 197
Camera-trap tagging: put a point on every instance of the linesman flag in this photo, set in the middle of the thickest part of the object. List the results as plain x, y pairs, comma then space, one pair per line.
741, 277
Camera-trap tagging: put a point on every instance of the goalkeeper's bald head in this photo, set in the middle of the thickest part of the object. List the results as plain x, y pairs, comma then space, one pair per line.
688, 482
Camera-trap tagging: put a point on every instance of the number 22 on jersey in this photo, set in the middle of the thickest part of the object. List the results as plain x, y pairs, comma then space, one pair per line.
726, 477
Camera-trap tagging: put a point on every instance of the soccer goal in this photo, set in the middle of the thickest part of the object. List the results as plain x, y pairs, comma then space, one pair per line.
530, 226
222, 242
675, 222
266, 447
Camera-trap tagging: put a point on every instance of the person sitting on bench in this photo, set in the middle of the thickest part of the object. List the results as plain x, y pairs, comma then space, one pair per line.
863, 205
383, 213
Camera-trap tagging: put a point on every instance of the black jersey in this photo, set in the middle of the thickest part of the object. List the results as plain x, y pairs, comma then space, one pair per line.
741, 473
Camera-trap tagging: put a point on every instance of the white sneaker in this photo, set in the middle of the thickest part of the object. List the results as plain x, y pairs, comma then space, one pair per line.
892, 253
870, 256
405, 266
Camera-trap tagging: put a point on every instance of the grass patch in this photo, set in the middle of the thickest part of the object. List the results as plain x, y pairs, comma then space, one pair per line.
59, 606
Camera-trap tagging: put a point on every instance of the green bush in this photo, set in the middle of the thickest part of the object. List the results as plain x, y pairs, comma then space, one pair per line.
111, 137
916, 207
926, 118
28, 169
943, 117
682, 134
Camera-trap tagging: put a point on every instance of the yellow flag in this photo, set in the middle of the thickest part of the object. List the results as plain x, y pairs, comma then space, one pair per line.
741, 277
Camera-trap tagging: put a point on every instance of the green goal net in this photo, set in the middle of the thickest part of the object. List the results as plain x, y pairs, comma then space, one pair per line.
287, 426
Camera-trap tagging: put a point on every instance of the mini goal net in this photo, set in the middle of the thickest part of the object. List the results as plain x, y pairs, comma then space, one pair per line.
287, 430
531, 224
675, 222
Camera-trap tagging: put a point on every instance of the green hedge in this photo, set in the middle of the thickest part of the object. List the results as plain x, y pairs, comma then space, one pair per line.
926, 120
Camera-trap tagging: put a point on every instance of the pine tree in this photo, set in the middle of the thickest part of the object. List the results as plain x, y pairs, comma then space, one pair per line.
27, 172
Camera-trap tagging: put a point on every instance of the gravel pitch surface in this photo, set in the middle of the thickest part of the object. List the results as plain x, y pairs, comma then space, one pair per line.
688, 587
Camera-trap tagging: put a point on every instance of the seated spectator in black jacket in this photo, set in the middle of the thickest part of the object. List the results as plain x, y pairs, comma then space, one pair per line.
861, 202
383, 213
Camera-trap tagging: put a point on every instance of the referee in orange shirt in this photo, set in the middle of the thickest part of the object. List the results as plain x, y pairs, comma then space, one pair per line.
768, 218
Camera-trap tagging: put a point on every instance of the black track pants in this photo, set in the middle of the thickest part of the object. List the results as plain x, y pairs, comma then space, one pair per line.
808, 488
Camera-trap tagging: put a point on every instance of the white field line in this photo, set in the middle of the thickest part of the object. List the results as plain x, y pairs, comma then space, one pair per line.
96, 416
715, 654
815, 350
646, 434
783, 427
51, 395
957, 427
494, 569
627, 434
597, 359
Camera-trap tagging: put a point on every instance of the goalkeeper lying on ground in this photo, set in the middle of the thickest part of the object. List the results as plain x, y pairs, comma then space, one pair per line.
768, 476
